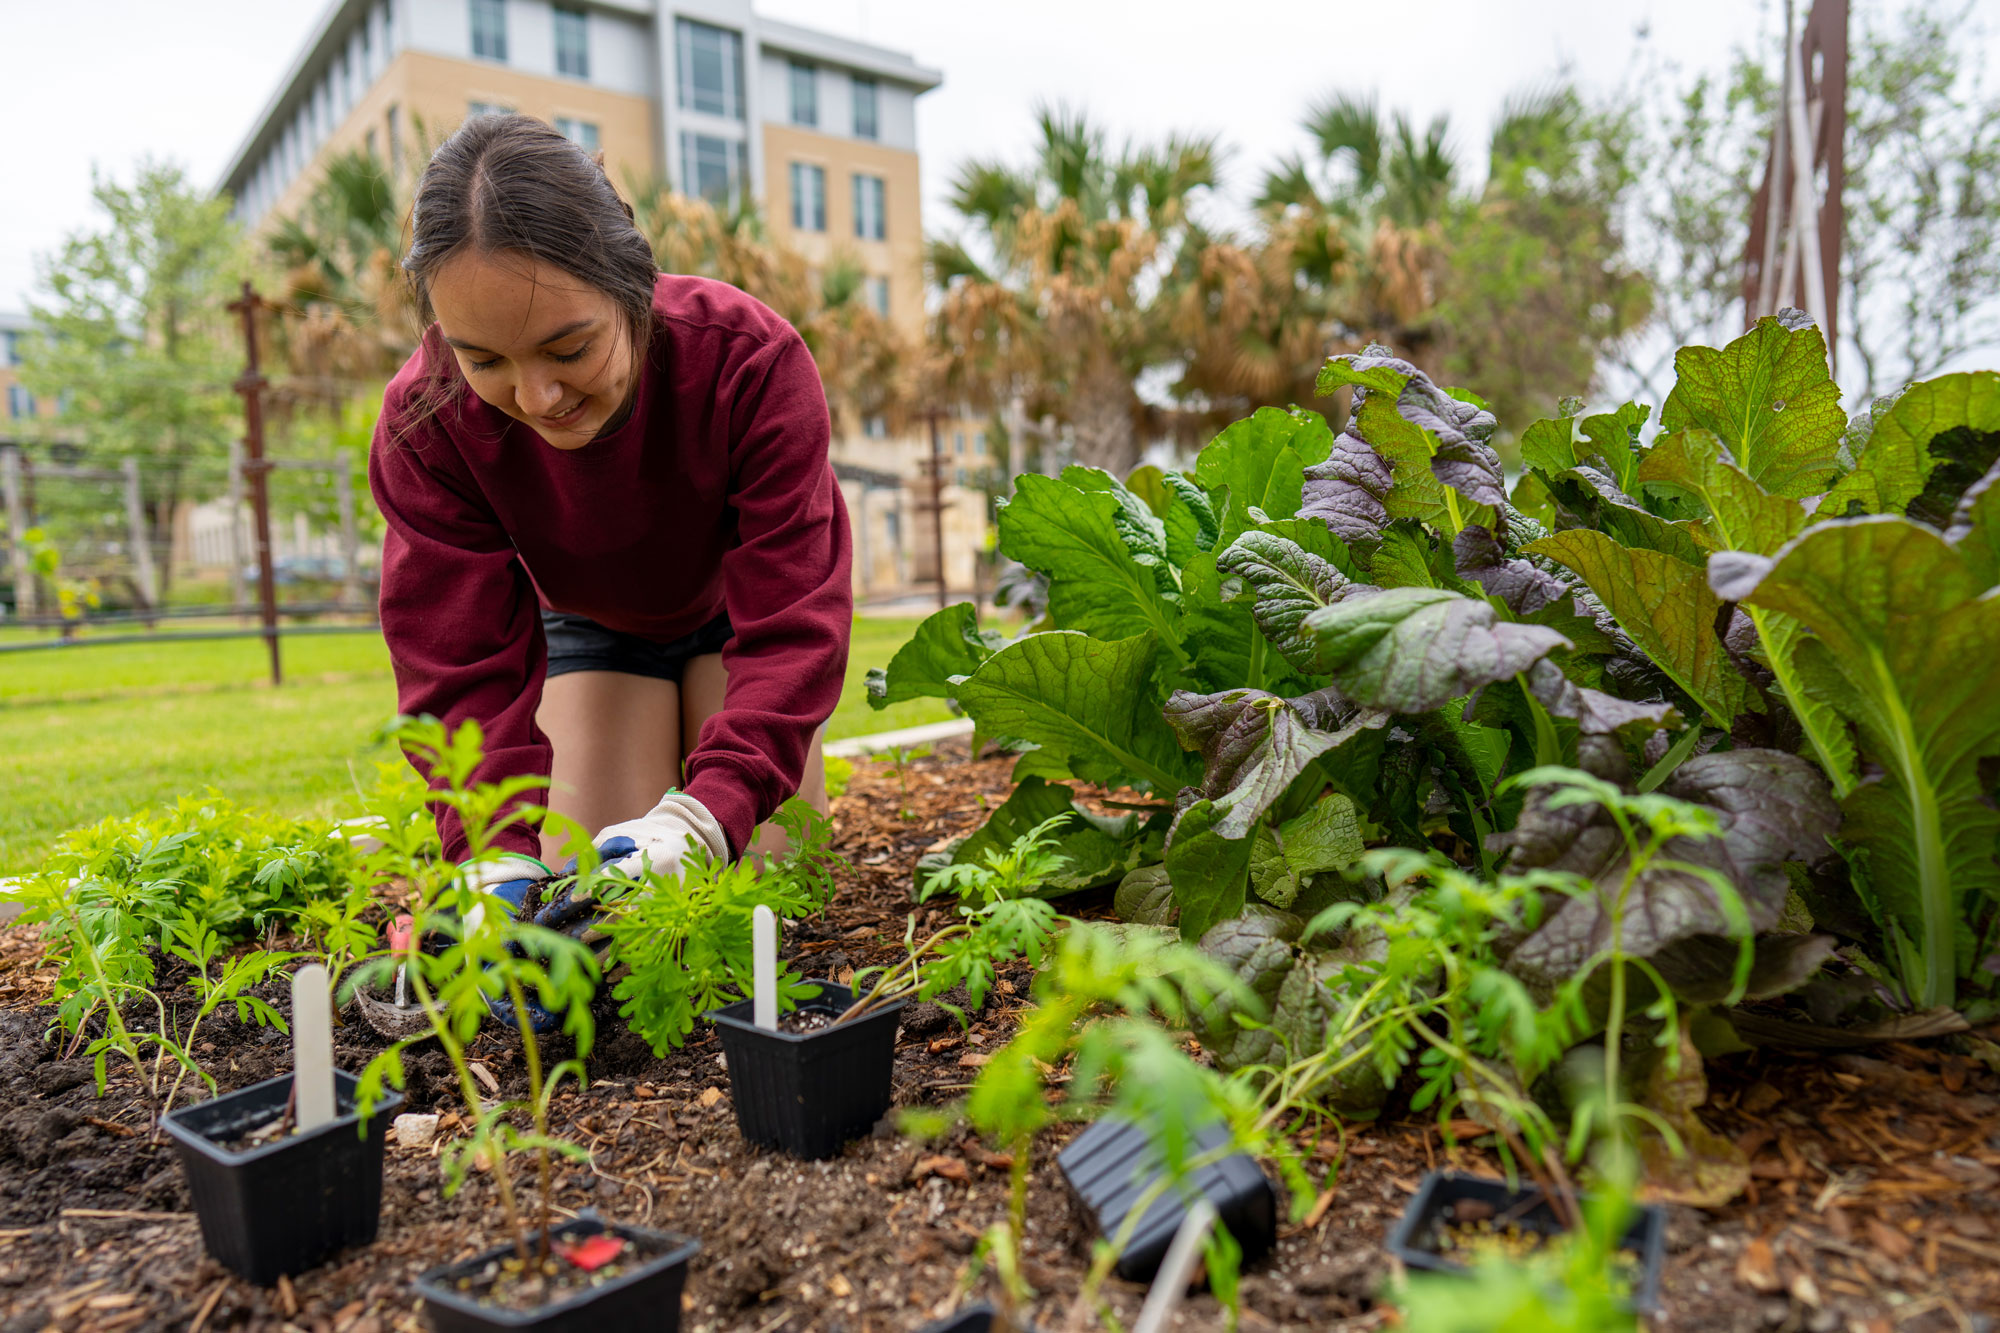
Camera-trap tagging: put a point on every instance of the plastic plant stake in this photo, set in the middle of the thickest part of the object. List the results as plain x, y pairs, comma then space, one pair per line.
764, 958
312, 1047
1170, 1286
399, 945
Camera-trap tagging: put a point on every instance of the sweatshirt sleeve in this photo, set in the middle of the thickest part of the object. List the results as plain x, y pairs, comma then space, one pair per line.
788, 589
460, 616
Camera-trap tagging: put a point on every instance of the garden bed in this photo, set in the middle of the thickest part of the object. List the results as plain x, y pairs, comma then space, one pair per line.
1872, 1205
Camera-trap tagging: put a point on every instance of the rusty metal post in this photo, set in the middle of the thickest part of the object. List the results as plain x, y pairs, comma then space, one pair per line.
251, 385
937, 509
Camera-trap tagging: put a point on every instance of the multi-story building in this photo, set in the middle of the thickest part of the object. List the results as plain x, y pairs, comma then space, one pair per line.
702, 94
17, 405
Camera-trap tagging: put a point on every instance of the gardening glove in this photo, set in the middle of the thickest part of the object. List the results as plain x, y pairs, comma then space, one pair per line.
662, 837
512, 879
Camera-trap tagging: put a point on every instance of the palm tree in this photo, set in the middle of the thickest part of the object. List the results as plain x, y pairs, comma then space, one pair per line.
349, 314
1062, 289
863, 362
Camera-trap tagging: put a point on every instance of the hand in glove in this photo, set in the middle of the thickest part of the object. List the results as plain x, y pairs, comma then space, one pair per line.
662, 837
510, 878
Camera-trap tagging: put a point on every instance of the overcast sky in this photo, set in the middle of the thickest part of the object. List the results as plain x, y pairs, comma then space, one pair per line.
106, 82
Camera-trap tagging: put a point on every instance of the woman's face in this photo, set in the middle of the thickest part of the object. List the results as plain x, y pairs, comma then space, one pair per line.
547, 349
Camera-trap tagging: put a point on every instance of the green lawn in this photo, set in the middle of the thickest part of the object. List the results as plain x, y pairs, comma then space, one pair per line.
87, 732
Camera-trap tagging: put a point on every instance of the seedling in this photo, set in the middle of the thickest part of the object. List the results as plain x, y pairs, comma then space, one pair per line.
901, 757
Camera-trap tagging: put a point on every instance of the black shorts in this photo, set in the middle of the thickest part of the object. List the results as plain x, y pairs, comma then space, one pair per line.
578, 643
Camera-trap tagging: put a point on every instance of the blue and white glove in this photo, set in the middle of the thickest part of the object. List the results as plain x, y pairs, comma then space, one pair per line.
659, 840
662, 837
512, 879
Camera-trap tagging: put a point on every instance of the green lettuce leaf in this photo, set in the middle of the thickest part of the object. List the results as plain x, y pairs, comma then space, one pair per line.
949, 643
1097, 850
1975, 528
1614, 438
1261, 461
1083, 701
1905, 646
1090, 543
1324, 839
1743, 516
1210, 873
1667, 608
1897, 462
1409, 650
1769, 397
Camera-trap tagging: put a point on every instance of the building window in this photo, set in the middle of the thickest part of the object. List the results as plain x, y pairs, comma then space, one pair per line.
580, 132
572, 42
805, 94
368, 143
867, 121
20, 403
892, 527
486, 109
712, 168
10, 348
808, 197
394, 119
875, 426
868, 207
489, 29
711, 68
877, 287
958, 441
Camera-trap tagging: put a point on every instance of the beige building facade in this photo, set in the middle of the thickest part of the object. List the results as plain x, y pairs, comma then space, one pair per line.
705, 95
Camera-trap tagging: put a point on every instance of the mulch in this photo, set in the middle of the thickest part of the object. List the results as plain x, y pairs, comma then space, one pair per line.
1872, 1205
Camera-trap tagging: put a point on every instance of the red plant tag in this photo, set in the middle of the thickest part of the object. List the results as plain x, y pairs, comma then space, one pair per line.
399, 934
592, 1252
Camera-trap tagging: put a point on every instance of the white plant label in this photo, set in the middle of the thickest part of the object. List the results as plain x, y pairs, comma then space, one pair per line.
764, 959
1171, 1284
312, 1047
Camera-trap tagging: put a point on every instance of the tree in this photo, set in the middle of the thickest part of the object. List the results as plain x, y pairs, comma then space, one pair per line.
134, 337
1061, 291
864, 363
1518, 286
347, 309
1920, 246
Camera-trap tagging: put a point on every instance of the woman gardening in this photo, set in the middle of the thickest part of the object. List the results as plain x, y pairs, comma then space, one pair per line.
614, 538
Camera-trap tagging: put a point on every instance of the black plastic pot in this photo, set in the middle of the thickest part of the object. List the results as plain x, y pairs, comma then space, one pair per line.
281, 1207
1417, 1235
1113, 1162
972, 1319
646, 1300
808, 1093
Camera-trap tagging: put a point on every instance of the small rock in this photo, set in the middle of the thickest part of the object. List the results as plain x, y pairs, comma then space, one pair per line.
709, 1097
416, 1131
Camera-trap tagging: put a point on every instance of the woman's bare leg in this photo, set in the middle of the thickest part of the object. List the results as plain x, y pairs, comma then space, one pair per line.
617, 742
702, 686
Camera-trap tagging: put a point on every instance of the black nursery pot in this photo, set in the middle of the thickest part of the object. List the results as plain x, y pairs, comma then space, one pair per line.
1113, 1162
808, 1093
1416, 1241
281, 1207
645, 1300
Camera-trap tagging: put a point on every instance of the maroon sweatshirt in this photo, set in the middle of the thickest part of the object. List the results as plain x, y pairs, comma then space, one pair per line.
715, 495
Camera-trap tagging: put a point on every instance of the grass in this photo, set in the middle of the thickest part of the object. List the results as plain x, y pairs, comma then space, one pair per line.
89, 732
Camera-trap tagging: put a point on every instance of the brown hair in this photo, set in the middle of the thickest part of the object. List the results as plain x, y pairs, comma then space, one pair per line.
511, 183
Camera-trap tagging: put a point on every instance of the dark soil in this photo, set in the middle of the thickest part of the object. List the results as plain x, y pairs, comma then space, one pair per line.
1873, 1203
801, 1021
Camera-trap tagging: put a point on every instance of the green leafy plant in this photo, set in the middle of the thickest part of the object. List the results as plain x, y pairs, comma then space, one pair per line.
486, 955
1333, 640
1000, 921
1104, 1007
684, 939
